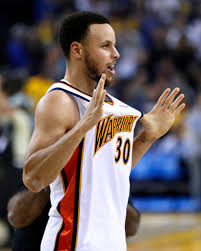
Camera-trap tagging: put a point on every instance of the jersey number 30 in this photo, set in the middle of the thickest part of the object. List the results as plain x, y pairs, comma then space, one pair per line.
123, 148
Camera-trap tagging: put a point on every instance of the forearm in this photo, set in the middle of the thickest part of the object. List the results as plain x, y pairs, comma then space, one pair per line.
43, 166
25, 206
132, 220
140, 146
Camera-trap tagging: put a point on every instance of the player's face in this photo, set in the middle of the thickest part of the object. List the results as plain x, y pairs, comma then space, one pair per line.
100, 52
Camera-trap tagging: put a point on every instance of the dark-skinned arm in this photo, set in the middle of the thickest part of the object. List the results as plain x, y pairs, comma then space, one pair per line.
25, 206
132, 221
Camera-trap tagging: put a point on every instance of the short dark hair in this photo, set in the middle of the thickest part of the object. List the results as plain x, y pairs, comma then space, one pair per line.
75, 27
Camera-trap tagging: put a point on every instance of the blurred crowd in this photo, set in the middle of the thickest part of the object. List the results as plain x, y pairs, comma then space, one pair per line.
160, 46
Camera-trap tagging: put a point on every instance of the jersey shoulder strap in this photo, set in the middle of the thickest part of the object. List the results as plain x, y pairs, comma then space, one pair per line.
68, 88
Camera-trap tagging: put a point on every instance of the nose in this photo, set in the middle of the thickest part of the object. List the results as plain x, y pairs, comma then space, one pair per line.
116, 54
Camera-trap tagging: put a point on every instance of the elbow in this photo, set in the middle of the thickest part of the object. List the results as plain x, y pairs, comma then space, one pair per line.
17, 221
132, 228
13, 220
132, 221
30, 181
32, 184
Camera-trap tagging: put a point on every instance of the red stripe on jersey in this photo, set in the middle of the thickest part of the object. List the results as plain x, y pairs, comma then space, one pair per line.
69, 204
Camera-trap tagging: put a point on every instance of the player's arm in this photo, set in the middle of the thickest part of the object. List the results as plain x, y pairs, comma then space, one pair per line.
157, 122
25, 206
57, 134
132, 221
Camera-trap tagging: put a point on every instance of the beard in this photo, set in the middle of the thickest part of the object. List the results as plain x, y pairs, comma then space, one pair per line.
92, 70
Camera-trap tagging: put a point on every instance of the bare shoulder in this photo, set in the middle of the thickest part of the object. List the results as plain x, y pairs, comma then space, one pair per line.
56, 113
57, 107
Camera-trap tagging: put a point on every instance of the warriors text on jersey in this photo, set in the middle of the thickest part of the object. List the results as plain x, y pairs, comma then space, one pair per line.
89, 198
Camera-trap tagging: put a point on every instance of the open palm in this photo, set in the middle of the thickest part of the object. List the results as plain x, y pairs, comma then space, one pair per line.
160, 119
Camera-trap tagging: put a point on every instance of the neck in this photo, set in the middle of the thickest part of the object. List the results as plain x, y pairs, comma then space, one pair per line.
77, 78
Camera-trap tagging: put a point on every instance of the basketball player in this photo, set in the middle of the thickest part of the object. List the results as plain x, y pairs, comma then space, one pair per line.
28, 214
83, 146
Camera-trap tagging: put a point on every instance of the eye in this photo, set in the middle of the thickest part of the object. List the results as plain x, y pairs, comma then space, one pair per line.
105, 45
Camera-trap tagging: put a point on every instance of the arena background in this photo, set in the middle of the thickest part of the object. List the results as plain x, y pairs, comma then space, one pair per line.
160, 46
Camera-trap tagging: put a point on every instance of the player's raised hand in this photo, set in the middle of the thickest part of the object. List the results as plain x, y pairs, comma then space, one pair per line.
94, 109
160, 119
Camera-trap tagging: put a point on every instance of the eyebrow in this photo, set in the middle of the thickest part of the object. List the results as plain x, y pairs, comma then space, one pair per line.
108, 41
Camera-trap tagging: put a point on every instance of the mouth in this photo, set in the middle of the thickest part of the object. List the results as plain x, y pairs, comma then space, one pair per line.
111, 69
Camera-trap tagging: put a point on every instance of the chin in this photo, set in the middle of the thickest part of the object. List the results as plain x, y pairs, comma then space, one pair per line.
108, 82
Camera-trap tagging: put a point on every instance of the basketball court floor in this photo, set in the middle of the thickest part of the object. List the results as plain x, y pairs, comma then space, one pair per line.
167, 232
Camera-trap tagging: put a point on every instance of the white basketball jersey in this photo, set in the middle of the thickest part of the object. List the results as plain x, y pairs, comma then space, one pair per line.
90, 195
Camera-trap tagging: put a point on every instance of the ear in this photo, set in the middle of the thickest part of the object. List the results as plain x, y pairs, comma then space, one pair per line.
76, 50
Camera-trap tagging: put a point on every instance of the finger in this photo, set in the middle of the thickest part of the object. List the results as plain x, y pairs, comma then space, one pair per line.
102, 98
170, 98
100, 86
163, 97
176, 102
179, 109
